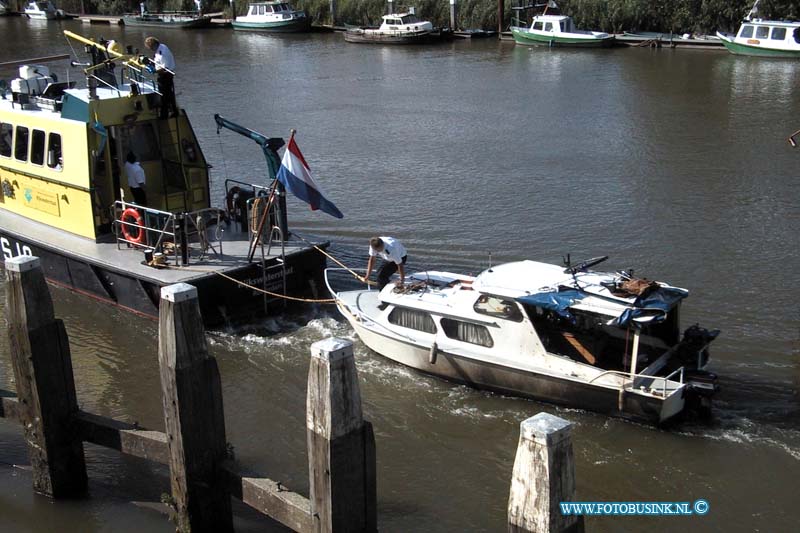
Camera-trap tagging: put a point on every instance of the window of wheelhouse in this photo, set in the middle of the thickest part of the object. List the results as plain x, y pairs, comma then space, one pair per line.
747, 31
548, 26
497, 307
21, 144
54, 153
6, 138
37, 147
762, 32
412, 319
467, 332
537, 25
778, 34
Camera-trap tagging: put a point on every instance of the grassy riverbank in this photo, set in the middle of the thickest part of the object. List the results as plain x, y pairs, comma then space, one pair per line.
697, 16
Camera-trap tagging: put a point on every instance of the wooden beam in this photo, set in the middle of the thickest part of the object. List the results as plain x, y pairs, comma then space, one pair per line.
123, 437
40, 355
193, 414
269, 497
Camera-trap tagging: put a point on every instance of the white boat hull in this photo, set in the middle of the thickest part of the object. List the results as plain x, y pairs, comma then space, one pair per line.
519, 382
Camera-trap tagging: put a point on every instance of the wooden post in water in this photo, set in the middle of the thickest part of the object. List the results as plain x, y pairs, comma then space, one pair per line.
501, 8
333, 13
341, 445
45, 386
453, 15
390, 7
544, 476
193, 415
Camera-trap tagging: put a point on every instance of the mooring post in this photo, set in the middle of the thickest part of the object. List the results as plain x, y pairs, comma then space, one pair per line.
333, 13
194, 419
501, 8
389, 7
45, 385
453, 15
544, 476
341, 444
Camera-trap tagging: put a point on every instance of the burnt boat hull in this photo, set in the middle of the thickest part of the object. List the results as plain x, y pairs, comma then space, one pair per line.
527, 384
220, 299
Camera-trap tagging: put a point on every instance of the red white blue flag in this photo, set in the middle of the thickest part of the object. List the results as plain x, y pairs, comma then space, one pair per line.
296, 177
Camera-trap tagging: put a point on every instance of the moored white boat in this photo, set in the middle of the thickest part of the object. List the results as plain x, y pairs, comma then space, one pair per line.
277, 17
768, 38
396, 28
42, 10
605, 342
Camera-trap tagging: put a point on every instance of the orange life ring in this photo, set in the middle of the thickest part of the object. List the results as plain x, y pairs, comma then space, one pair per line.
131, 213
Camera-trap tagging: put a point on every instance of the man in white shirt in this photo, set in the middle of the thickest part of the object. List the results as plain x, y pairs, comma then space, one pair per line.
165, 72
394, 256
136, 179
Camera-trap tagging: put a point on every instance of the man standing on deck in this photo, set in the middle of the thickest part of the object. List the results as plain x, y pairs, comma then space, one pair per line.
165, 72
136, 179
394, 256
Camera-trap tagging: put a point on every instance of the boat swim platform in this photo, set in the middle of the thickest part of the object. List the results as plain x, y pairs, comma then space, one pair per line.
130, 261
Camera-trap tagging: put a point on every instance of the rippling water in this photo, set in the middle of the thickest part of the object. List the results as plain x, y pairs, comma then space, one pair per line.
672, 162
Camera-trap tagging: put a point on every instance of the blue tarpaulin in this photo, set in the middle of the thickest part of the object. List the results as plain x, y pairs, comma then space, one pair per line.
655, 304
555, 301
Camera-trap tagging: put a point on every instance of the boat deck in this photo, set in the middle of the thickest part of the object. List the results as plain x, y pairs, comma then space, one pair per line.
235, 248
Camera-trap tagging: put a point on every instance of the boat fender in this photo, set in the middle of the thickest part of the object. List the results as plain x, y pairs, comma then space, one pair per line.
434, 353
131, 215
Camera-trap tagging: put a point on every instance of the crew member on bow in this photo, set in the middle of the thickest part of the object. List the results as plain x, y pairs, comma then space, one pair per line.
394, 258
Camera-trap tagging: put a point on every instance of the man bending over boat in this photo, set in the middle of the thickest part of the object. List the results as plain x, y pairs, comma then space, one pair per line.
165, 71
394, 257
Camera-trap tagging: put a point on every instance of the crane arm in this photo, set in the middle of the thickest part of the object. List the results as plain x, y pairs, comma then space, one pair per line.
269, 145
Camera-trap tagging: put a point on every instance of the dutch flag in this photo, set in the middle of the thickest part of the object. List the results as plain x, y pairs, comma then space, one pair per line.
296, 177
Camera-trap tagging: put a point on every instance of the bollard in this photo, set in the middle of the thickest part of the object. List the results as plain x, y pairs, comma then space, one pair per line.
341, 445
544, 475
453, 15
45, 385
193, 414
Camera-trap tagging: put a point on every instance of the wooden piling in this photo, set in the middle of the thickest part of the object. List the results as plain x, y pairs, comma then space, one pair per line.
544, 476
45, 386
193, 414
341, 445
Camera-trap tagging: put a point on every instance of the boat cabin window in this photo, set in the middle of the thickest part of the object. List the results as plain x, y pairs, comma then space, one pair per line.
778, 34
141, 140
410, 19
537, 25
498, 307
37, 147
467, 332
412, 319
6, 134
796, 35
762, 32
747, 31
21, 144
54, 155
548, 26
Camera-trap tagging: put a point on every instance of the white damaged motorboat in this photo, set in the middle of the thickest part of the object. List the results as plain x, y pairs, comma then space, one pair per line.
606, 342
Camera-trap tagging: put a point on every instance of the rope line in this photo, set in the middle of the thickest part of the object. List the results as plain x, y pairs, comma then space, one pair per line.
329, 256
257, 289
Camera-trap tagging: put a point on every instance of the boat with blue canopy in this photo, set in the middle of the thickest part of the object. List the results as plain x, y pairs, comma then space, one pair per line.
601, 341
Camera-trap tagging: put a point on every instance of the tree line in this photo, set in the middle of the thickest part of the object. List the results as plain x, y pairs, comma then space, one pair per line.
678, 16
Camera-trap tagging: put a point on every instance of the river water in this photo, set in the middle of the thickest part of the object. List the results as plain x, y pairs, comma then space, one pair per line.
673, 162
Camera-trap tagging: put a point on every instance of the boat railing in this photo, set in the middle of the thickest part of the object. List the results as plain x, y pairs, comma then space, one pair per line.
630, 380
166, 233
340, 269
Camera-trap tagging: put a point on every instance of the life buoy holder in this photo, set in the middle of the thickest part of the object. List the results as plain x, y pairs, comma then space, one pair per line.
131, 215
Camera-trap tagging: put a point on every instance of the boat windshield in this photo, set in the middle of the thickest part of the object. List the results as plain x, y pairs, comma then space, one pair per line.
747, 31
409, 19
